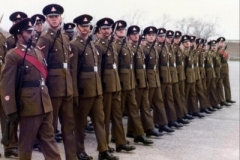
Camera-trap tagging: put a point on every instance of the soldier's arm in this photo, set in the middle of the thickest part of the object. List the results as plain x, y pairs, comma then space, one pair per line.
43, 44
74, 67
8, 78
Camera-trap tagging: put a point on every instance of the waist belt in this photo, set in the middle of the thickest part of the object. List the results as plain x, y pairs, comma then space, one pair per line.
110, 66
89, 69
209, 66
179, 63
164, 65
217, 66
125, 66
151, 67
58, 65
140, 66
32, 83
224, 62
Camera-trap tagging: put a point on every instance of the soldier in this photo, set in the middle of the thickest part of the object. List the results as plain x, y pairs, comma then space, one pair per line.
38, 21
152, 69
224, 69
211, 75
86, 78
127, 81
14, 17
36, 104
181, 109
143, 40
69, 30
142, 85
168, 75
201, 96
190, 90
56, 50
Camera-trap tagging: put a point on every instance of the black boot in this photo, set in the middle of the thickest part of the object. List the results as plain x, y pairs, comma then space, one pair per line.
143, 139
130, 135
206, 111
125, 147
230, 101
198, 114
211, 109
36, 146
110, 149
183, 121
89, 127
165, 128
84, 156
58, 138
217, 107
106, 155
175, 124
153, 132
224, 104
189, 117
11, 152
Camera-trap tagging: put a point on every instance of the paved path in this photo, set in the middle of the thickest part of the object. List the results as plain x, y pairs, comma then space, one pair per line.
215, 137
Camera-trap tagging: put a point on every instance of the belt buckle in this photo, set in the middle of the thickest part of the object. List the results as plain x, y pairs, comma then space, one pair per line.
130, 66
65, 66
174, 64
95, 68
182, 63
192, 66
114, 66
155, 67
144, 66
42, 82
212, 65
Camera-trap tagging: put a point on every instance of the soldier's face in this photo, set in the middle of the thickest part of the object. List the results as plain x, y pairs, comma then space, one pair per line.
150, 37
161, 39
24, 36
221, 44
134, 37
200, 46
176, 40
38, 27
105, 32
54, 20
70, 34
186, 44
169, 40
143, 42
84, 29
214, 48
121, 32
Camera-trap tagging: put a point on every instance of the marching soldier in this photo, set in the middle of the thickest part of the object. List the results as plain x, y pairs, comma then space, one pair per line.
14, 17
35, 113
181, 109
152, 69
201, 96
168, 75
69, 30
141, 83
54, 45
38, 21
224, 70
190, 90
88, 89
211, 76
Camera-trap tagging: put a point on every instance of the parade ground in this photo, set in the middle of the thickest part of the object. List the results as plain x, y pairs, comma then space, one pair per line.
214, 137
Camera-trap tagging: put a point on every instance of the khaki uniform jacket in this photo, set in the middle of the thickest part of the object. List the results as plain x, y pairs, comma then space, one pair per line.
140, 67
196, 63
152, 65
217, 64
189, 67
89, 81
59, 80
210, 72
126, 66
224, 61
3, 49
164, 70
201, 62
180, 62
35, 100
110, 79
11, 42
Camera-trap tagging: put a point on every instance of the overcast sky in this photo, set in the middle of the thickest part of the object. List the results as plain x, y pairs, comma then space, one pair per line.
227, 11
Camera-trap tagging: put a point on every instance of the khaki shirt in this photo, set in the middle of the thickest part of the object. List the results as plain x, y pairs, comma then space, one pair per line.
180, 62
189, 67
210, 72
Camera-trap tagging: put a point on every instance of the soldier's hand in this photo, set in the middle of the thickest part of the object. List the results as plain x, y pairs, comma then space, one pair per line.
13, 117
75, 101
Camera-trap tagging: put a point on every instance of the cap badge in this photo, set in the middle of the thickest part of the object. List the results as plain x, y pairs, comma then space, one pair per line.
37, 18
150, 29
70, 26
170, 33
120, 24
161, 31
18, 16
29, 23
85, 19
177, 34
105, 22
53, 9
134, 29
185, 37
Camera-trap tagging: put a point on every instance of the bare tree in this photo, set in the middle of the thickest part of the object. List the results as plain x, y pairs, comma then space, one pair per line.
134, 17
197, 27
161, 21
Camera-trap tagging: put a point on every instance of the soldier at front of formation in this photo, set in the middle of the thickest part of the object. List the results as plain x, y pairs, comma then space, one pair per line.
190, 90
10, 150
224, 70
181, 109
152, 69
87, 86
142, 84
69, 30
55, 47
201, 96
14, 17
168, 76
211, 76
37, 21
34, 113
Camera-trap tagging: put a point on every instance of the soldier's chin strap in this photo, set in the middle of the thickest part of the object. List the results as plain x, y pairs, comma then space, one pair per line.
28, 43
